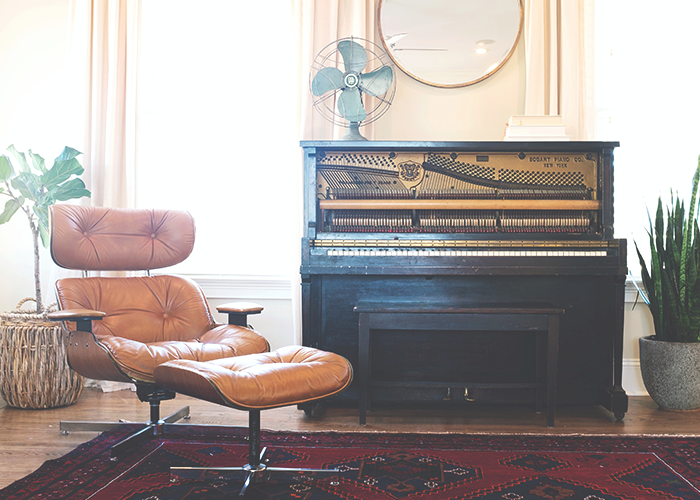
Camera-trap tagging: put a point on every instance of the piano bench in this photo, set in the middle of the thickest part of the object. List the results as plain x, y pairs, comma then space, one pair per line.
403, 315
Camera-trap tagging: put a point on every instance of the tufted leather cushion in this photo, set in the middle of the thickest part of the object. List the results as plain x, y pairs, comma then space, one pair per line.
149, 320
119, 239
288, 376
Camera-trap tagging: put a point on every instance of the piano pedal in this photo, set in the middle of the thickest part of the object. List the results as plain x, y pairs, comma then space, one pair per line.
466, 395
448, 396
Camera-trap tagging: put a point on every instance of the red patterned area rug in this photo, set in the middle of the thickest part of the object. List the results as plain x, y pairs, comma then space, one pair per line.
382, 466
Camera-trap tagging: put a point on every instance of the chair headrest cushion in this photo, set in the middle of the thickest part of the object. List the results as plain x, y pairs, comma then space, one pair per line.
119, 239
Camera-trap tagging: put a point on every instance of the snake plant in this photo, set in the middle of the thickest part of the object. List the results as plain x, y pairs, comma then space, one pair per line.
673, 285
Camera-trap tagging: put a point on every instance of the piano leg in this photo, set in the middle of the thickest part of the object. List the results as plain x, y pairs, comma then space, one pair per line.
612, 396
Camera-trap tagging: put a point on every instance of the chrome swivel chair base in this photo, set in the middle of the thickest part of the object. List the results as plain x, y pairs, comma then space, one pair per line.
154, 427
256, 471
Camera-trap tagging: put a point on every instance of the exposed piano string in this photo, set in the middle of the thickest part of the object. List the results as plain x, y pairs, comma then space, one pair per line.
569, 193
437, 186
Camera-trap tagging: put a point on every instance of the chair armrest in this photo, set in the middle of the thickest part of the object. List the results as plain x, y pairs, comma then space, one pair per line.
238, 311
83, 318
76, 315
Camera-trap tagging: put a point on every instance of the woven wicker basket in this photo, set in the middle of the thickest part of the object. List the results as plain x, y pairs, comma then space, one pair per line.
34, 371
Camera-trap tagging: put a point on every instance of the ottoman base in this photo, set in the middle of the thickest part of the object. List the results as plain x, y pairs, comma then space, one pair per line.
256, 471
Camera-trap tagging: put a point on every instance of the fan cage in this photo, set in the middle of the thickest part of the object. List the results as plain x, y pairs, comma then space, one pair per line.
376, 58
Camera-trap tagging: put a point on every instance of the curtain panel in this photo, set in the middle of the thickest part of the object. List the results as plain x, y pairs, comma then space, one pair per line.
560, 61
103, 50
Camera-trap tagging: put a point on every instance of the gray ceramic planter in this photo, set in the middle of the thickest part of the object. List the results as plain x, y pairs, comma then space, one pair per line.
671, 373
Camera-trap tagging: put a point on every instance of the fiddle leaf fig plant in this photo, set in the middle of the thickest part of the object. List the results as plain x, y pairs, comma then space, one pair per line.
32, 188
672, 280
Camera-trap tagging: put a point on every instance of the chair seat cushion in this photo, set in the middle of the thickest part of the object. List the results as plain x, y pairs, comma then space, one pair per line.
139, 359
288, 376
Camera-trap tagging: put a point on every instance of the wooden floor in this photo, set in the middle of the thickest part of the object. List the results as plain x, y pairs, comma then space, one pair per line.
29, 437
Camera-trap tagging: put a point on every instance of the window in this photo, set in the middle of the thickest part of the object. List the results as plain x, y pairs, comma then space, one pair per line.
217, 91
647, 98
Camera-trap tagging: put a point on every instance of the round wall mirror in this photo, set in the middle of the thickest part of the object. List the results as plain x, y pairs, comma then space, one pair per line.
450, 43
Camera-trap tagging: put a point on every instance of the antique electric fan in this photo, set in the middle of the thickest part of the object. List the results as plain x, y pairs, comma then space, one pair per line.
352, 81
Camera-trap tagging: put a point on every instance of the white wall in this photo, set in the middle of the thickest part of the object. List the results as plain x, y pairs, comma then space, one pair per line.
32, 116
478, 112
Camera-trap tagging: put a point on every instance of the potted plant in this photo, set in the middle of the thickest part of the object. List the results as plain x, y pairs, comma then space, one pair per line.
670, 359
34, 372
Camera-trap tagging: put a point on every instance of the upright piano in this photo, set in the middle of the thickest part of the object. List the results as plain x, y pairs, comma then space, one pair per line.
505, 222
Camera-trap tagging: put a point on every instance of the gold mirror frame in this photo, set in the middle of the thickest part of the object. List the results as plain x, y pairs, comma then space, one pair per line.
390, 40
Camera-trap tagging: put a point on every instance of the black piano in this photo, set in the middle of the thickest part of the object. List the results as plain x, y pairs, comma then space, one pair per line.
502, 222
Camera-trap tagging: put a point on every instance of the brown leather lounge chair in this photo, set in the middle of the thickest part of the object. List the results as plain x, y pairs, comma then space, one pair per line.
122, 328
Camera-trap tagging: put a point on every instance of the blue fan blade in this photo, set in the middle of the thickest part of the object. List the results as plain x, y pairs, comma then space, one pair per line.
326, 79
354, 56
377, 82
350, 106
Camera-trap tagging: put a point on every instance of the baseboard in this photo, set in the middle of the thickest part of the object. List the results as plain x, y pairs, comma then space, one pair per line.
632, 378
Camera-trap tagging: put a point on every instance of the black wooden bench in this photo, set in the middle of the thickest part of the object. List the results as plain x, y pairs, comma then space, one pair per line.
426, 316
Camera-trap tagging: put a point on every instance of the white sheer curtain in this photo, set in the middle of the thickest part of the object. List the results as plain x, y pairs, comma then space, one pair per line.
559, 61
103, 52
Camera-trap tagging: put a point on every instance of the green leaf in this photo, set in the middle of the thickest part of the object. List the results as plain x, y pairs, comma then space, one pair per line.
42, 213
6, 170
61, 171
20, 158
651, 293
687, 234
44, 233
38, 162
74, 188
28, 185
68, 153
10, 208
694, 308
657, 253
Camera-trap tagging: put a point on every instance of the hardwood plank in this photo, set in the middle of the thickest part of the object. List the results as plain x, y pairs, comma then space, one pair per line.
30, 437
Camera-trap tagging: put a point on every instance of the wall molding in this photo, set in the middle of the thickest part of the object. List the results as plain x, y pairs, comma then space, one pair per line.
244, 287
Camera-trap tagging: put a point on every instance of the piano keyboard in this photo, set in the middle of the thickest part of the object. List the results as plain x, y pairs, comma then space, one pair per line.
465, 253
